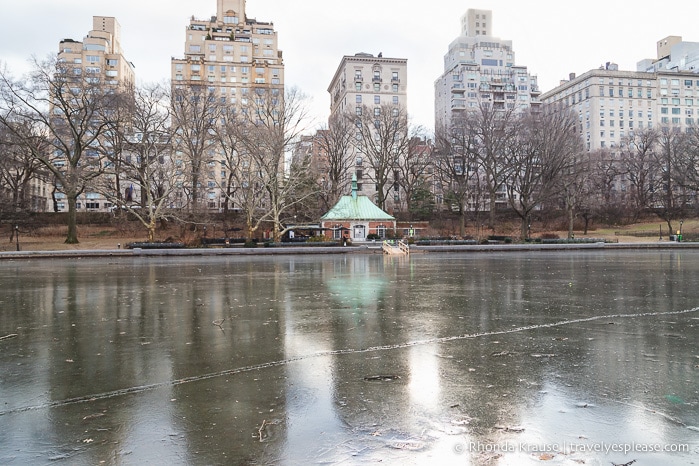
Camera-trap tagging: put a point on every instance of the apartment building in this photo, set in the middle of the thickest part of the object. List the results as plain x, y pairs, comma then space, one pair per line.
367, 83
612, 105
98, 58
232, 57
478, 68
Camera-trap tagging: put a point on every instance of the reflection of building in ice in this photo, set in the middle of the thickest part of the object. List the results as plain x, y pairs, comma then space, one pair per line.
424, 382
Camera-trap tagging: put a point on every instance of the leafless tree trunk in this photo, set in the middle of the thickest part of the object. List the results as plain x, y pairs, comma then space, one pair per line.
455, 168
335, 143
490, 134
381, 138
412, 168
269, 129
72, 112
18, 167
672, 148
195, 116
145, 162
638, 165
544, 149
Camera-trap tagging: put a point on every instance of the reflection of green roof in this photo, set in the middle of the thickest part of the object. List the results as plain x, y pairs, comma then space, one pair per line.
356, 208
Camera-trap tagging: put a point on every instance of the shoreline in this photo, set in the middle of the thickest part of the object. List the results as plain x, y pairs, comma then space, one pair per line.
358, 249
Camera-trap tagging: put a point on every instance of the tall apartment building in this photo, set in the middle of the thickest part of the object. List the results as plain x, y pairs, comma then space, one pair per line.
364, 82
98, 58
611, 104
100, 54
232, 56
479, 67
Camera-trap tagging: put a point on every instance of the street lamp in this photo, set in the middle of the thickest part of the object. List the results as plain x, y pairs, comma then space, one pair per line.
681, 222
17, 236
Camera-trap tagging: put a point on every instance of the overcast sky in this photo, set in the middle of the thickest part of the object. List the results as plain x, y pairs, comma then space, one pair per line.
551, 37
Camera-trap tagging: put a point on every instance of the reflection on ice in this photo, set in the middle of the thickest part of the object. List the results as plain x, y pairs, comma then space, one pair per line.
439, 359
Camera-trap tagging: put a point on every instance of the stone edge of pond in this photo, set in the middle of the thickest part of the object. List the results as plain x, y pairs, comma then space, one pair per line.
361, 249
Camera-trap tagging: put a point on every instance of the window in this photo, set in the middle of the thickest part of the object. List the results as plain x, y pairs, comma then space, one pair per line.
377, 87
358, 99
359, 111
377, 100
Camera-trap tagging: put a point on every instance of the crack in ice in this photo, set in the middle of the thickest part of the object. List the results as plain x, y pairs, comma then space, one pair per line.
197, 378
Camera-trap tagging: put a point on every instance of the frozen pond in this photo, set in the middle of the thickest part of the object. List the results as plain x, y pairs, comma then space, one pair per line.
468, 359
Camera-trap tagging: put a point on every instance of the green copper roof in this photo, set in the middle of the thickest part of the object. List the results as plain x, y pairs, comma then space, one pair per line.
356, 208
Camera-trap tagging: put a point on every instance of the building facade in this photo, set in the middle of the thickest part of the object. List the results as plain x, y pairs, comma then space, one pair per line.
613, 106
479, 68
364, 83
232, 58
99, 59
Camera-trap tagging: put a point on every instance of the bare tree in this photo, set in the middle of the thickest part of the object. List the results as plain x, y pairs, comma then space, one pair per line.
639, 165
412, 168
335, 143
604, 178
544, 148
687, 163
491, 135
145, 164
269, 129
18, 167
243, 185
574, 187
382, 139
195, 116
455, 168
70, 111
672, 197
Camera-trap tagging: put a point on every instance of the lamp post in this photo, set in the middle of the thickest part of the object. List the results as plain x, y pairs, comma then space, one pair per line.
681, 222
17, 236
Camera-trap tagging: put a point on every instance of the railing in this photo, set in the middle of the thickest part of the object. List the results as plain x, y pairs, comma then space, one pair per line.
401, 248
